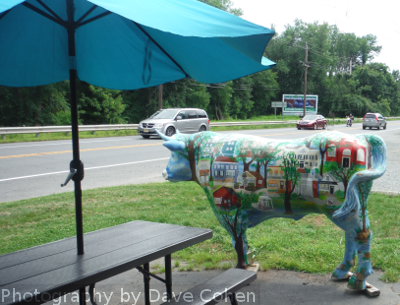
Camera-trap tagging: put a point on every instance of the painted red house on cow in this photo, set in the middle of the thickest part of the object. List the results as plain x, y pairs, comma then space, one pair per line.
226, 198
346, 153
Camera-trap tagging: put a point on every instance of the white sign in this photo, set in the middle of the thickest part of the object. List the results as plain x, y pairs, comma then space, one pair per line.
278, 104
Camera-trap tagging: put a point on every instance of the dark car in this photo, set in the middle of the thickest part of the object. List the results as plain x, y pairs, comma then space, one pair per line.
374, 120
312, 121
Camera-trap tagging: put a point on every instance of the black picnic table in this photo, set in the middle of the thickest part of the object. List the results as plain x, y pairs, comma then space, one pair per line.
40, 274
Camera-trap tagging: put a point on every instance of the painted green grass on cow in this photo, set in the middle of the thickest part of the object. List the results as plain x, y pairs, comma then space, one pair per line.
312, 244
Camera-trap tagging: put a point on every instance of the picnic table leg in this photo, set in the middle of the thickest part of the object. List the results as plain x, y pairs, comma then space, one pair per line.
168, 276
91, 294
232, 297
82, 296
146, 279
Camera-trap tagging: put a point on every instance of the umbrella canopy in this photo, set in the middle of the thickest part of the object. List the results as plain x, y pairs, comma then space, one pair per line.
127, 44
123, 44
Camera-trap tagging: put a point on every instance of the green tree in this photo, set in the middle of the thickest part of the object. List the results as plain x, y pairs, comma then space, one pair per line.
34, 106
264, 90
220, 101
140, 104
99, 105
241, 101
225, 5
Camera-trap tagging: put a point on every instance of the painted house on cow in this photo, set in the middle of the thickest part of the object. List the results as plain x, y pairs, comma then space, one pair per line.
203, 171
276, 182
250, 180
226, 198
329, 185
307, 157
346, 153
225, 171
229, 148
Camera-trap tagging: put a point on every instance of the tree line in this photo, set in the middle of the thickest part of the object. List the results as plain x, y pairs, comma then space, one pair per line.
340, 71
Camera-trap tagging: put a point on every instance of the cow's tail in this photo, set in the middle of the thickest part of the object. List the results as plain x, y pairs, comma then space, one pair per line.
378, 159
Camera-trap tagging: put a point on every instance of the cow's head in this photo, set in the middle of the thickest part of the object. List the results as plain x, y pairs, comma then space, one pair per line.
178, 168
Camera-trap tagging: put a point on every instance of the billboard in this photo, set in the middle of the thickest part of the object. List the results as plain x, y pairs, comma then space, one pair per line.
294, 103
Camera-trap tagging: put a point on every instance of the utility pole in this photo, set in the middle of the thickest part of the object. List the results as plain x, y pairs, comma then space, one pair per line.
160, 93
351, 63
305, 81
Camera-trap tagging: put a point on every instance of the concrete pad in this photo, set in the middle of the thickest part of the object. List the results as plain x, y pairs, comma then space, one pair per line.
273, 287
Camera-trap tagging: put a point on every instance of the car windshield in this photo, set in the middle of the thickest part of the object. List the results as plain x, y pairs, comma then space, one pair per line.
370, 116
154, 114
310, 117
166, 114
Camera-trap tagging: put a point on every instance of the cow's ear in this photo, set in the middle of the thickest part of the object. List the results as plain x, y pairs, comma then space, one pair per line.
174, 145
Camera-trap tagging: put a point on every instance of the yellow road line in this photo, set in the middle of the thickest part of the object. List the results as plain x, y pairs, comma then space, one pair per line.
298, 132
140, 145
70, 151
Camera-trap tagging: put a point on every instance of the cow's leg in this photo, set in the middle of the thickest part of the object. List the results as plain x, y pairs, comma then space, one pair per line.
358, 280
350, 251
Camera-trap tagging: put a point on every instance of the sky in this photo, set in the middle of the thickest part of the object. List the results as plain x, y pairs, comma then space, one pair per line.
379, 18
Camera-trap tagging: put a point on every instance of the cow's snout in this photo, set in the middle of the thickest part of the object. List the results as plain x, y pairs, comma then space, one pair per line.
165, 174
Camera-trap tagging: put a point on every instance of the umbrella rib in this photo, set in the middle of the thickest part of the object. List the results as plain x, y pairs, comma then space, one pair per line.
50, 11
5, 13
95, 18
87, 13
40, 12
161, 48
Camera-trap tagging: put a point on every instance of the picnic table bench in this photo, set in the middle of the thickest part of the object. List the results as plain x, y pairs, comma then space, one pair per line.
40, 274
216, 289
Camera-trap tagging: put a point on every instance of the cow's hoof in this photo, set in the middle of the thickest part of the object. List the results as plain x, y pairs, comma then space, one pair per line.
356, 284
341, 275
253, 267
372, 291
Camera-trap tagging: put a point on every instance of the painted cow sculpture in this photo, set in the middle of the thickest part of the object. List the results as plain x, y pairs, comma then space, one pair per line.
249, 179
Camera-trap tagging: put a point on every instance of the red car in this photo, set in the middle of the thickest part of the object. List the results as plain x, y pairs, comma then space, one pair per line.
312, 121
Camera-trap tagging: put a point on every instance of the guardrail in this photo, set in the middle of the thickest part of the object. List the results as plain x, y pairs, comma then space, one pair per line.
93, 128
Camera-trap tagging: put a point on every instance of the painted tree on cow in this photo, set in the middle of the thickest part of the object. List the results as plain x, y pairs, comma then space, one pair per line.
211, 148
262, 156
244, 151
320, 142
236, 222
292, 177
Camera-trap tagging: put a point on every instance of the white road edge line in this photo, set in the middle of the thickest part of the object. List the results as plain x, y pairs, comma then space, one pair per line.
383, 130
89, 168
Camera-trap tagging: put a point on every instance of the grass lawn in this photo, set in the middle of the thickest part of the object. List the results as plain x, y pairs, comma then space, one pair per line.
312, 244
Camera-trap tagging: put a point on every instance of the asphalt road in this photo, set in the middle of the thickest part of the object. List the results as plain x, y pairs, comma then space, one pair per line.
35, 169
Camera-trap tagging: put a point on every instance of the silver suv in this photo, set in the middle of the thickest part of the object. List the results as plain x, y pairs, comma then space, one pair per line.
167, 121
375, 120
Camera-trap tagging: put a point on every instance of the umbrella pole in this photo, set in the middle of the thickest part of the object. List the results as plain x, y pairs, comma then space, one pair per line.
76, 162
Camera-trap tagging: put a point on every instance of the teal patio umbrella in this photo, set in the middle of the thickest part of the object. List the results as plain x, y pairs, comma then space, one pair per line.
123, 44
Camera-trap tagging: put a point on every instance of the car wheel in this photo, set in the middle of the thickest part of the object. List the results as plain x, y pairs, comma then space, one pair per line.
146, 137
315, 126
202, 129
384, 127
364, 127
324, 126
379, 127
298, 128
170, 131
